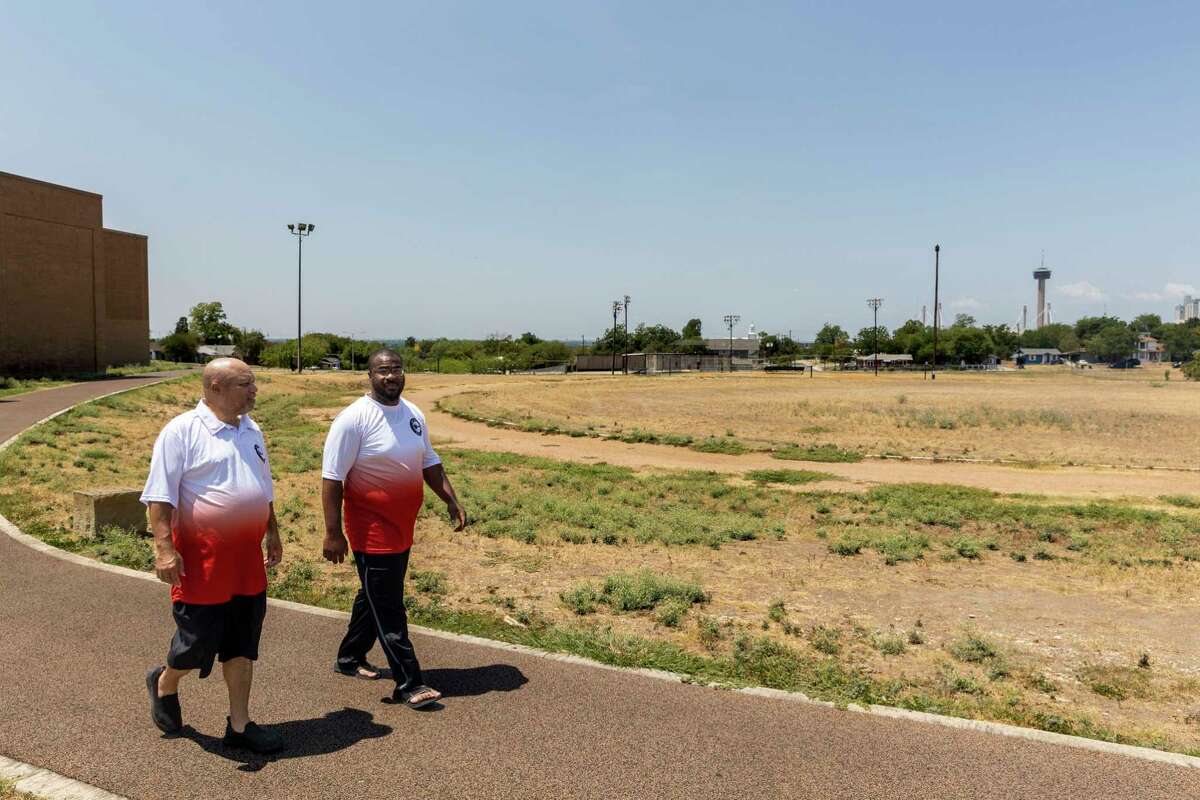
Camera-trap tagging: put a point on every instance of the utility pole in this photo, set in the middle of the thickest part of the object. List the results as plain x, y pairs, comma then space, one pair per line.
874, 303
300, 230
625, 345
730, 321
616, 310
937, 249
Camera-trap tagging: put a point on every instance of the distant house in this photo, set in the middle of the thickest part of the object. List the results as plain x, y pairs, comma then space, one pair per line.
329, 362
1038, 355
207, 352
156, 352
1149, 350
884, 360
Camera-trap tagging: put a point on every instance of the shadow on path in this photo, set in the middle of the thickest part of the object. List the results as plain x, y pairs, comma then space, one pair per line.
335, 731
475, 680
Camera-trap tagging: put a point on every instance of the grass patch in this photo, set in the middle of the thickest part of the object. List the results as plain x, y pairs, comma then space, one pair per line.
828, 453
646, 590
788, 476
724, 445
430, 581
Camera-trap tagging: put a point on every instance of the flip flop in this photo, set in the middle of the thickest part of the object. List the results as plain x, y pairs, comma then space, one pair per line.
353, 672
406, 696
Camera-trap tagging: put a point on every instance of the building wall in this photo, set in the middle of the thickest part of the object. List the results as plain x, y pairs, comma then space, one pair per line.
73, 295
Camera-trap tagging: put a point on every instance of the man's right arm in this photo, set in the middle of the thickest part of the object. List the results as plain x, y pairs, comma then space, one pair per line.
334, 547
167, 563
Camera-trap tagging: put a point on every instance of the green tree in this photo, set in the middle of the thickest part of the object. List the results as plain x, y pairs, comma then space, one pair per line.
528, 337
655, 339
1045, 336
865, 342
250, 344
181, 325
1005, 340
963, 321
180, 347
209, 323
691, 330
1147, 323
1087, 327
970, 345
1181, 340
1113, 342
613, 340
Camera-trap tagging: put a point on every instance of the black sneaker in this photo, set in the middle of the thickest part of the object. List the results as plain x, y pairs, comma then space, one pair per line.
163, 710
253, 738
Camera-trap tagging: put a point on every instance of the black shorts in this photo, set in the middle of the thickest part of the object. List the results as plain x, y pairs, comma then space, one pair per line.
224, 631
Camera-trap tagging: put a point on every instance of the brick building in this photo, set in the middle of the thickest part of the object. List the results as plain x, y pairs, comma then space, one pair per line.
73, 294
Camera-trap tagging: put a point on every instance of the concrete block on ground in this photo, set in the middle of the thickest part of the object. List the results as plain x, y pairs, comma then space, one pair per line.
97, 509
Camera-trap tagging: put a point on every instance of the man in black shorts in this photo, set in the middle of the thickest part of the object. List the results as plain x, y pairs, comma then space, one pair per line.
210, 498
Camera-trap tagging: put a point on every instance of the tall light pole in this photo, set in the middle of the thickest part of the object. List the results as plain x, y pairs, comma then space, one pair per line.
730, 321
625, 345
874, 303
300, 230
616, 310
937, 249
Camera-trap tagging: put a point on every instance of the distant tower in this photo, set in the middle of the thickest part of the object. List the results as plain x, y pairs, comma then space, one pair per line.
752, 333
1041, 275
922, 315
1024, 318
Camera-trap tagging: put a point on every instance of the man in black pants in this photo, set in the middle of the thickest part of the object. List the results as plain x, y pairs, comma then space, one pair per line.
377, 460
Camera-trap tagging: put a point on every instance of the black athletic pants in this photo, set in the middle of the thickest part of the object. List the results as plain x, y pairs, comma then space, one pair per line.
378, 613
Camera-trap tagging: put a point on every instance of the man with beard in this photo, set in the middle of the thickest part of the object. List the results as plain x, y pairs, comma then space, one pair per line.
377, 460
210, 498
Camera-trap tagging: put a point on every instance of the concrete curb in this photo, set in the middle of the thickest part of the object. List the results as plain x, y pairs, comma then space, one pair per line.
44, 783
981, 726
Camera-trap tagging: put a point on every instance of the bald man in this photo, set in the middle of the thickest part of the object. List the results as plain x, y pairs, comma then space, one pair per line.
212, 511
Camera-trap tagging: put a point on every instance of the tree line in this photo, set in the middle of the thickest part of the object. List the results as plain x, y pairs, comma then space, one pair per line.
1105, 337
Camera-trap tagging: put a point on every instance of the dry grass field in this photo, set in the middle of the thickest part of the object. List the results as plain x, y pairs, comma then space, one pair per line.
1051, 415
1059, 613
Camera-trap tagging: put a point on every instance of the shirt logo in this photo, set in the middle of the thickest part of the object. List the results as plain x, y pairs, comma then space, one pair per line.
261, 455
415, 424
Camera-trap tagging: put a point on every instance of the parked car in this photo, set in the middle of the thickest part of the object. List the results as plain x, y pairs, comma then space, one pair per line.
1125, 363
1176, 364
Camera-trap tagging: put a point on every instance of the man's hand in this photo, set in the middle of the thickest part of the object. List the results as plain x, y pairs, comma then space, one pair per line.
168, 566
274, 550
458, 517
334, 548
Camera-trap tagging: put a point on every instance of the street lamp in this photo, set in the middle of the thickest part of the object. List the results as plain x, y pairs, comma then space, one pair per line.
616, 310
625, 343
874, 303
730, 321
300, 230
937, 249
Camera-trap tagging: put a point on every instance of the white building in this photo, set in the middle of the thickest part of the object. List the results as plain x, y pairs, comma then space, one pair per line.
1149, 351
1190, 309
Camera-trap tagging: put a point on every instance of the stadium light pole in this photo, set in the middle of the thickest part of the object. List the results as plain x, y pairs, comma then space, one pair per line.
874, 303
730, 321
625, 343
300, 230
616, 310
937, 249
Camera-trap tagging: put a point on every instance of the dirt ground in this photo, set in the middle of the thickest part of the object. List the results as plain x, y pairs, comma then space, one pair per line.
1052, 415
1059, 623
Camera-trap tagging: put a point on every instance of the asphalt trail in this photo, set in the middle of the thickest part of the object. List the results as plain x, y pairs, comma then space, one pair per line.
75, 643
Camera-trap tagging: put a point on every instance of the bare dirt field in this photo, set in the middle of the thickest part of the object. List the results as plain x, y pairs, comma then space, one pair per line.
1052, 415
1064, 611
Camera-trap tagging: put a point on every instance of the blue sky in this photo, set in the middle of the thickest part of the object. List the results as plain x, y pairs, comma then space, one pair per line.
479, 168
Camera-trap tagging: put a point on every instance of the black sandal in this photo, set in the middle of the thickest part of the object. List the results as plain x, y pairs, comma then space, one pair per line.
353, 672
406, 696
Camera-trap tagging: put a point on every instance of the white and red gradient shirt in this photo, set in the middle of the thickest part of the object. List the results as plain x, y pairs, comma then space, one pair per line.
218, 478
379, 454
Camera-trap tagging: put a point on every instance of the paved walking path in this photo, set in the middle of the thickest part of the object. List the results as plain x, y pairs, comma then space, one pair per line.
75, 643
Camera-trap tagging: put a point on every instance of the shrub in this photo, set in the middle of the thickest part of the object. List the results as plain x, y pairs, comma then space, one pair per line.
429, 581
581, 598
972, 648
646, 589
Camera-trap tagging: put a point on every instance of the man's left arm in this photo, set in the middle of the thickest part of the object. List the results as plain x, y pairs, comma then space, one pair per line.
272, 542
437, 479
